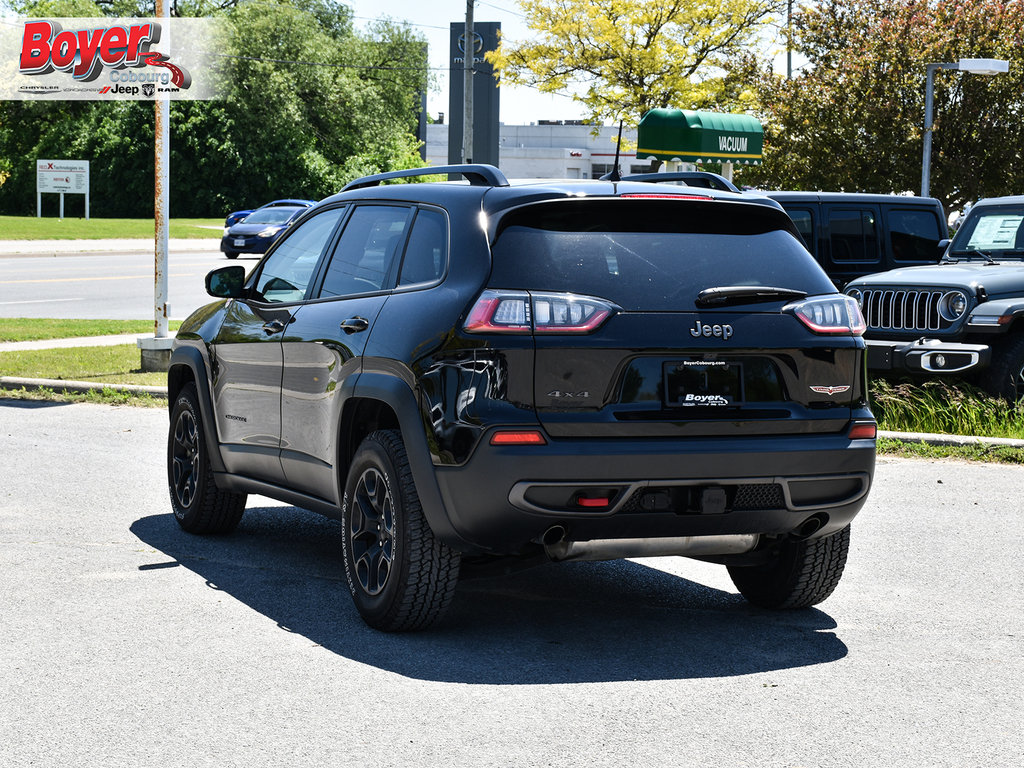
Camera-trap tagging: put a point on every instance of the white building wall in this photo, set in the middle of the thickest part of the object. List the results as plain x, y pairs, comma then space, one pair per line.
549, 151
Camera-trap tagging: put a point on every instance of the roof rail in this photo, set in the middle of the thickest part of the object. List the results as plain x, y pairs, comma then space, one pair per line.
478, 175
710, 180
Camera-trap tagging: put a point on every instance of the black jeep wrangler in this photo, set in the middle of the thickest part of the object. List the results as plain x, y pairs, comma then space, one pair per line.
553, 370
963, 317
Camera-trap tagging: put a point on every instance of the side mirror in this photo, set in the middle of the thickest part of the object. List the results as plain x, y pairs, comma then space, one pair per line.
943, 244
226, 282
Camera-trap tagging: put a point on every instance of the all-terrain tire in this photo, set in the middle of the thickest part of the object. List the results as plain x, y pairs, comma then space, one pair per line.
199, 505
803, 573
1005, 376
400, 575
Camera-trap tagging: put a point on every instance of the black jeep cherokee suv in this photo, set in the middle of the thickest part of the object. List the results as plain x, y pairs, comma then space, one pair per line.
549, 370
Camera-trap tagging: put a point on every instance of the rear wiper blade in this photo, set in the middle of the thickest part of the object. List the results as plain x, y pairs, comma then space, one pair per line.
743, 294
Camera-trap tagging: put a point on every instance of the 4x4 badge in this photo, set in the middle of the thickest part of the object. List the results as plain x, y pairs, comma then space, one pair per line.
829, 390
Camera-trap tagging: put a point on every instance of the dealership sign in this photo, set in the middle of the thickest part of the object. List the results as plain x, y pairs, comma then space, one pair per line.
109, 59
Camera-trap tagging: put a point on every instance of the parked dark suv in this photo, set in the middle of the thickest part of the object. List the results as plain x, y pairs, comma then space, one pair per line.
962, 317
853, 234
553, 370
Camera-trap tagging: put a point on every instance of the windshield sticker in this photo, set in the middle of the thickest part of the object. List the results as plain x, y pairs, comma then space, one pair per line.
996, 232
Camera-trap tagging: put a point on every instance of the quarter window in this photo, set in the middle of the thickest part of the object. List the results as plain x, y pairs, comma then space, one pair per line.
427, 251
913, 235
804, 225
287, 272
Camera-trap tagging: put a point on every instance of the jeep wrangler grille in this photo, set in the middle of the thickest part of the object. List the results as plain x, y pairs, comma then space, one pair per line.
887, 309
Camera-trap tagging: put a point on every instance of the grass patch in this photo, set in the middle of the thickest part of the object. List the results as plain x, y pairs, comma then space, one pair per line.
36, 329
109, 365
1002, 454
942, 408
105, 396
32, 228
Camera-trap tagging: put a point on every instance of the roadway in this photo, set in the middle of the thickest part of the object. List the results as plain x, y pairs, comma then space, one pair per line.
116, 284
126, 642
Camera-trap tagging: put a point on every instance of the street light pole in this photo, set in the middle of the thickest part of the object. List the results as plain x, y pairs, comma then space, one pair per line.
974, 66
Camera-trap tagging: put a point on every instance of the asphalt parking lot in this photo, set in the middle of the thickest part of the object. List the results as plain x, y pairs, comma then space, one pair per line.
126, 642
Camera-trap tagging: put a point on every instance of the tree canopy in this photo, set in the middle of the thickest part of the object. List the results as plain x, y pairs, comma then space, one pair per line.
631, 56
853, 117
309, 105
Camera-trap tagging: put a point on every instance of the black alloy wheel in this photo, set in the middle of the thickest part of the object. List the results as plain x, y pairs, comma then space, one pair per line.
372, 532
199, 505
400, 576
185, 459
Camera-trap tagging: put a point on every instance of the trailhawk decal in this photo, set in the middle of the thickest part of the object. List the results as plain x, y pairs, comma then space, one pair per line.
830, 390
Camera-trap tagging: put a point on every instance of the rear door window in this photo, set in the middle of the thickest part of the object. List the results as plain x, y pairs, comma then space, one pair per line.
853, 235
366, 251
650, 255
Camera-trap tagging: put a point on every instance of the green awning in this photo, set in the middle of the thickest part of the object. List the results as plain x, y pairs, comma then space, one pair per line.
700, 137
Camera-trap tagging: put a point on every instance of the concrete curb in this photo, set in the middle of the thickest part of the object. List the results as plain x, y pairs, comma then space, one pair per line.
53, 248
61, 385
954, 440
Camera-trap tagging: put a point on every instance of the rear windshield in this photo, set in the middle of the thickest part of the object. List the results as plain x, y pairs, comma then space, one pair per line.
654, 256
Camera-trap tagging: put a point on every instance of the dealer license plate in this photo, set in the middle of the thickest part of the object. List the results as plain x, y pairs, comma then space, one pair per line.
706, 383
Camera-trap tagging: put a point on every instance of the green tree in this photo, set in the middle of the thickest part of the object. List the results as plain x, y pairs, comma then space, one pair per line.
631, 56
853, 117
309, 104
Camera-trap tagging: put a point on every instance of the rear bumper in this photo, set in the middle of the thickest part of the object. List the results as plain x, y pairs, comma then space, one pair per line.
505, 497
929, 356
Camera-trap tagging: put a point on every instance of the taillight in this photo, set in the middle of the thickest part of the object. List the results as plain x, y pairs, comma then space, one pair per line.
526, 311
829, 314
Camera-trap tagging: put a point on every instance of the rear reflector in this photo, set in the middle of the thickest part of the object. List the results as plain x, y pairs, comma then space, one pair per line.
518, 437
583, 501
864, 430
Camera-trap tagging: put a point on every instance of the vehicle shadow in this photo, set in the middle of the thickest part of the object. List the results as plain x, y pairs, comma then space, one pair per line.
30, 404
564, 623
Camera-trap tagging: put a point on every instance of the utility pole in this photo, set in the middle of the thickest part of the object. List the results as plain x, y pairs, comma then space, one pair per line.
468, 62
789, 39
156, 351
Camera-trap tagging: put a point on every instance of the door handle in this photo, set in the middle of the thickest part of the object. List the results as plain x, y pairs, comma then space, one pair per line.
272, 327
355, 324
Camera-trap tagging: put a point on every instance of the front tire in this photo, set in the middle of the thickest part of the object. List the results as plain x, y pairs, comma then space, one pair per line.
802, 573
1005, 376
231, 254
400, 575
199, 505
